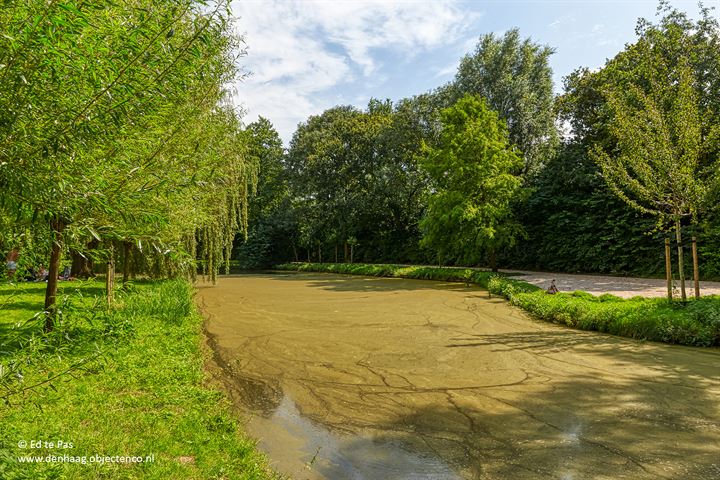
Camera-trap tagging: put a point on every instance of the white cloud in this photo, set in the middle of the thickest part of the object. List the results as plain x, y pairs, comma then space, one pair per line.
447, 70
298, 51
562, 21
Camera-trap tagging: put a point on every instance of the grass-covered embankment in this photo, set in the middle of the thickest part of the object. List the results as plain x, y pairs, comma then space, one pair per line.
696, 322
121, 382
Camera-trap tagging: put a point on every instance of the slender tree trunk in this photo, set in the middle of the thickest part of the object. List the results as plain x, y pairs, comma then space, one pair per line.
126, 261
78, 264
53, 271
345, 258
110, 280
492, 259
336, 253
82, 265
319, 253
352, 253
295, 253
696, 269
668, 270
681, 265
308, 250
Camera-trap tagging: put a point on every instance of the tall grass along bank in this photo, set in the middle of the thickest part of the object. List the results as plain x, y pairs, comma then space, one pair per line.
696, 322
113, 393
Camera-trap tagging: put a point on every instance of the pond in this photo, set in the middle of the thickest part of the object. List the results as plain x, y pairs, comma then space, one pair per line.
346, 377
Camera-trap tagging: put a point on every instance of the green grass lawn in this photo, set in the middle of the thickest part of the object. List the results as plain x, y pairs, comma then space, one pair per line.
123, 382
695, 322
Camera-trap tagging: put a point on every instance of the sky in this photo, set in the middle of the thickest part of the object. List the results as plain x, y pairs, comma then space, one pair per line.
305, 56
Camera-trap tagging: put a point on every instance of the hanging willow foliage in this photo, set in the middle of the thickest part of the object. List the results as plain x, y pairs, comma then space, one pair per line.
115, 129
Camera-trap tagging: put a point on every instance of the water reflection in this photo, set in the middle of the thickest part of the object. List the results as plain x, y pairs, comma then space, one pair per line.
300, 448
347, 377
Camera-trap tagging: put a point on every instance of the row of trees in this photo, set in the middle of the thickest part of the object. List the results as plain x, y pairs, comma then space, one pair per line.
494, 167
116, 136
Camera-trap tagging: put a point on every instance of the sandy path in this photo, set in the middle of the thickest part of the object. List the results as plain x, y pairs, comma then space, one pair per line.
346, 377
625, 287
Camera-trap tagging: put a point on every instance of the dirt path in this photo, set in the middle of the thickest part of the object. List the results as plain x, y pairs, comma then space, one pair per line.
625, 287
373, 378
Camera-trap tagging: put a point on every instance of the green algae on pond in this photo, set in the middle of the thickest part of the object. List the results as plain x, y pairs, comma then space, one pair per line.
355, 377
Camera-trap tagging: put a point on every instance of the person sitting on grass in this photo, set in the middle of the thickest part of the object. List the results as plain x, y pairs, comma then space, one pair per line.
42, 274
552, 289
66, 274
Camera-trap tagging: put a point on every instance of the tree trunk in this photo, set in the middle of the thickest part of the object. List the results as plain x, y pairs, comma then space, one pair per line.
696, 269
492, 259
126, 261
678, 237
110, 280
345, 258
668, 270
336, 253
82, 266
319, 253
352, 253
53, 271
295, 253
308, 250
78, 264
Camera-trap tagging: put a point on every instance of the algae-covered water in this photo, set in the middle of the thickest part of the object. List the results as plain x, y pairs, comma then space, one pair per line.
345, 377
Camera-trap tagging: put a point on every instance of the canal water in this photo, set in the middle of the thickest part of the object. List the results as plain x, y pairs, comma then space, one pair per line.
345, 377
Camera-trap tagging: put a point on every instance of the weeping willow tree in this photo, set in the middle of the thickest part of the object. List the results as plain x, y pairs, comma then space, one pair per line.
114, 130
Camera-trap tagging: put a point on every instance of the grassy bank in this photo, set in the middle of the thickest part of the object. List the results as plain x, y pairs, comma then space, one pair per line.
113, 384
696, 322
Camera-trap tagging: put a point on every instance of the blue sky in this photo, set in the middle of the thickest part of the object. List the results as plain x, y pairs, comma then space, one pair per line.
306, 56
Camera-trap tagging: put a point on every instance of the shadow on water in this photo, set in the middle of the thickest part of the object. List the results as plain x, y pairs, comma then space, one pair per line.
678, 364
576, 430
538, 402
355, 283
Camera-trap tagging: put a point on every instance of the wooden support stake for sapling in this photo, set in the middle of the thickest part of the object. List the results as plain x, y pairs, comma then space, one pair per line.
696, 270
668, 270
681, 265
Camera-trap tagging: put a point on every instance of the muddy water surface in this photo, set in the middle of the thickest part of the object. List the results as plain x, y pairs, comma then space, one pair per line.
344, 377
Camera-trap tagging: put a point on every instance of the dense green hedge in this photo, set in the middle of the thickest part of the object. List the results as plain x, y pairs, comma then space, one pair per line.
696, 322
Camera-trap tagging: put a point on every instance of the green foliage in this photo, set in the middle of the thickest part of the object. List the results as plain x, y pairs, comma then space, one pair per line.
473, 169
272, 221
515, 78
355, 181
696, 322
353, 176
115, 129
133, 385
574, 223
658, 139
